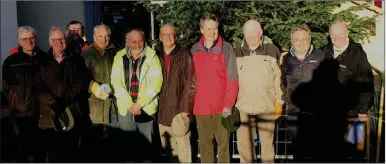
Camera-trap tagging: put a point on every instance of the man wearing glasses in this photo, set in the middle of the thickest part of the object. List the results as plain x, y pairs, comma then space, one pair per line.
27, 41
19, 75
177, 95
61, 81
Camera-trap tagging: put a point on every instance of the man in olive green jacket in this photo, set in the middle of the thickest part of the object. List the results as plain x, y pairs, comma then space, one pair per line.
99, 59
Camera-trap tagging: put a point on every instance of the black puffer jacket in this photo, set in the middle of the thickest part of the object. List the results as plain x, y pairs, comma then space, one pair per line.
296, 72
19, 77
356, 74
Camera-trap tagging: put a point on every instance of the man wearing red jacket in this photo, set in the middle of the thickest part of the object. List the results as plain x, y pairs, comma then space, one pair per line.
217, 87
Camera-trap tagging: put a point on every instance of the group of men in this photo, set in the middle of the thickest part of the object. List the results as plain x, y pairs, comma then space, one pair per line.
105, 88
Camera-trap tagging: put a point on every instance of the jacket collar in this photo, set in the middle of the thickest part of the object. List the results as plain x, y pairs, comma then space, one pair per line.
102, 51
66, 54
261, 48
215, 49
35, 51
351, 45
174, 52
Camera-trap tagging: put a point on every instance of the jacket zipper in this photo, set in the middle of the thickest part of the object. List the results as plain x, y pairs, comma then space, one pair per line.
168, 70
170, 61
13, 99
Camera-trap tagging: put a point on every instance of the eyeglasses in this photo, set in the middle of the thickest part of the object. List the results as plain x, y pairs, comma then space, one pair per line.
58, 40
167, 35
28, 39
301, 40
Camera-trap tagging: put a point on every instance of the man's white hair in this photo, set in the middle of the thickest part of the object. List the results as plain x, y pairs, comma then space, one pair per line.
54, 28
169, 25
339, 22
24, 29
104, 26
252, 23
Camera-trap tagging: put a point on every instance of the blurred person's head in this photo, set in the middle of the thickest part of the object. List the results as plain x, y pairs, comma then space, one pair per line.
253, 33
75, 27
168, 35
101, 36
339, 34
301, 38
135, 41
57, 40
27, 38
209, 27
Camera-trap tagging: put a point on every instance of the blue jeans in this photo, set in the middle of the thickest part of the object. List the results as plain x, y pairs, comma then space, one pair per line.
145, 128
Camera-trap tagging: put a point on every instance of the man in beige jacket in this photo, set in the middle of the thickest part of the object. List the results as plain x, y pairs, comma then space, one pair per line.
260, 95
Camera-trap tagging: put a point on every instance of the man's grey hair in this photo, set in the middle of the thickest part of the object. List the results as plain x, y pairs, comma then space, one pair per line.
138, 30
53, 29
170, 25
24, 29
339, 21
104, 26
252, 23
302, 27
208, 16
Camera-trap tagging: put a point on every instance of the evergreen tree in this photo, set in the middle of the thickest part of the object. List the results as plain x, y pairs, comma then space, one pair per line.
277, 19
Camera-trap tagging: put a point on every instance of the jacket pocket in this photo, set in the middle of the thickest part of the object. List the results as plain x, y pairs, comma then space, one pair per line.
344, 74
21, 100
97, 111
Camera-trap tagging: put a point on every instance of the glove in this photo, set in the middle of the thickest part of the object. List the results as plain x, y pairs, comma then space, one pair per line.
278, 110
96, 90
106, 88
226, 112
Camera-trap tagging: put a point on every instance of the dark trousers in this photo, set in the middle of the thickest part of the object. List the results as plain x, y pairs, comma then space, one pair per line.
57, 146
300, 133
316, 137
100, 144
19, 139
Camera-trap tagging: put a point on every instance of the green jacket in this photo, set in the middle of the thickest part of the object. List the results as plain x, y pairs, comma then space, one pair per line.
99, 63
150, 82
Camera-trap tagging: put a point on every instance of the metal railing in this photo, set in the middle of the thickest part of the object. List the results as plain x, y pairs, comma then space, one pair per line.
282, 142
376, 116
374, 129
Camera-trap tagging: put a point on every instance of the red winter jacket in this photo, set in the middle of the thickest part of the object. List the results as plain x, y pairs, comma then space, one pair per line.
217, 78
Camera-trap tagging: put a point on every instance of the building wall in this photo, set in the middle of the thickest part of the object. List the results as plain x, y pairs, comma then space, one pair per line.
42, 15
8, 29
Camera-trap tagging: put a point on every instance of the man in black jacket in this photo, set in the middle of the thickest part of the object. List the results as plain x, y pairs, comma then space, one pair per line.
62, 82
298, 66
354, 72
19, 75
